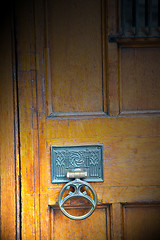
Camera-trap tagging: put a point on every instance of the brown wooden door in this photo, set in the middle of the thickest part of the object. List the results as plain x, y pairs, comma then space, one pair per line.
76, 88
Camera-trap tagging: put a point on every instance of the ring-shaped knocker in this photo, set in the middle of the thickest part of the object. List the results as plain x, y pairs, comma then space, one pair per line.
77, 184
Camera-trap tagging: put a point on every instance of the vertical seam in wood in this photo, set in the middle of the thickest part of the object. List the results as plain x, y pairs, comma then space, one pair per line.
108, 222
119, 78
107, 72
32, 80
112, 58
123, 219
51, 213
37, 132
117, 229
37, 115
106, 215
17, 155
104, 79
50, 106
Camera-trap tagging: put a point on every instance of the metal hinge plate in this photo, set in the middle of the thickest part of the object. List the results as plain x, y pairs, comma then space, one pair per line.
70, 158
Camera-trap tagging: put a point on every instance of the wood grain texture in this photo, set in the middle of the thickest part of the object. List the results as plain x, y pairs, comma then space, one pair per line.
103, 127
7, 133
40, 45
86, 229
127, 162
75, 52
131, 144
140, 85
112, 60
115, 194
116, 221
135, 215
27, 95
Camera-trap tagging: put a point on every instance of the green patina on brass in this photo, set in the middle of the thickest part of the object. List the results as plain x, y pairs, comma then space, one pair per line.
69, 158
77, 185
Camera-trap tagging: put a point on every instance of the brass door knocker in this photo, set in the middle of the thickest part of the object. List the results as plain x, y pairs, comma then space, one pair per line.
77, 185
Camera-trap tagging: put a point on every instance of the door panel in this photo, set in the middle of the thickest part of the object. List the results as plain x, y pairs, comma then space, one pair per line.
75, 56
135, 215
140, 68
62, 228
72, 93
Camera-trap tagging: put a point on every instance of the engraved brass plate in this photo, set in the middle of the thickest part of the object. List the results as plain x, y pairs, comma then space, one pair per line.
69, 158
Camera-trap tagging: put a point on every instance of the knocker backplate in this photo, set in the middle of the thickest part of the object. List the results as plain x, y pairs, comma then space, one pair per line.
71, 158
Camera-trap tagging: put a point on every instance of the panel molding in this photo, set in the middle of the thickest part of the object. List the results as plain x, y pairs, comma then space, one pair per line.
138, 80
48, 91
116, 221
139, 43
145, 112
112, 60
50, 112
77, 114
97, 225
141, 220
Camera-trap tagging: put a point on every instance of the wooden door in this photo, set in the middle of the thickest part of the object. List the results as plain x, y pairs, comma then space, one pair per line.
76, 88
